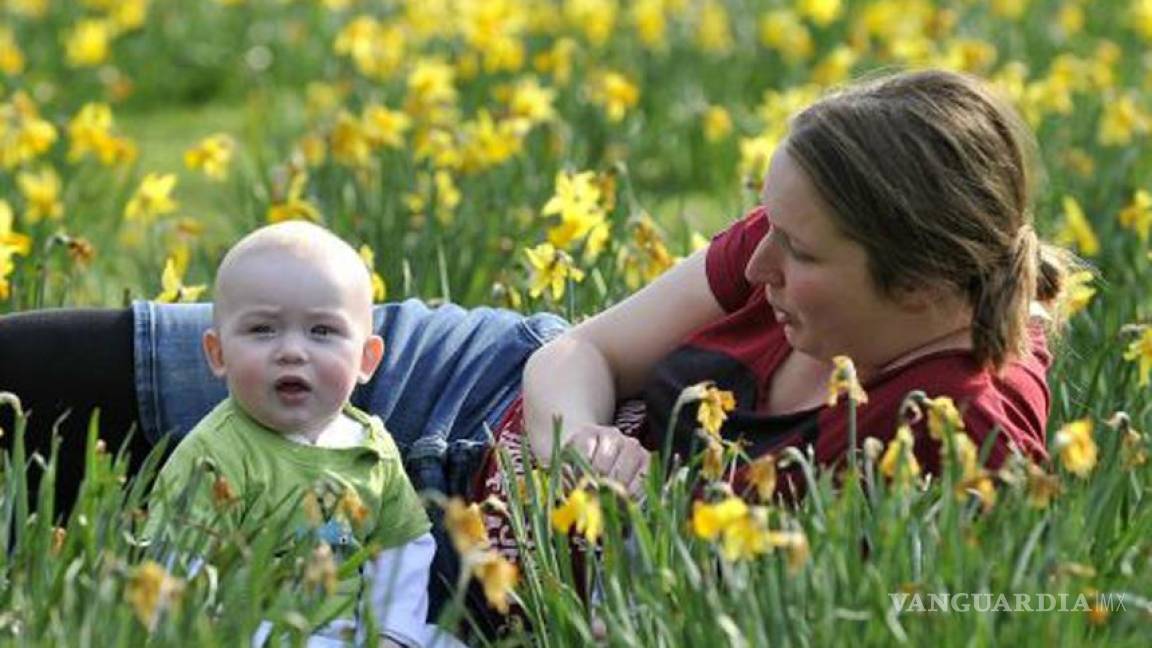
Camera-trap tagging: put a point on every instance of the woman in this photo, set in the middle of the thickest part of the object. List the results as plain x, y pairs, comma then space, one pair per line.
895, 229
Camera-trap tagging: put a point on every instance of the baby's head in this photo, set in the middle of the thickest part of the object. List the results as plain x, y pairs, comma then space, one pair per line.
292, 326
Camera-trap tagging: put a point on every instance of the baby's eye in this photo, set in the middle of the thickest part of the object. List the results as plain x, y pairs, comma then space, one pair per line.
259, 329
324, 330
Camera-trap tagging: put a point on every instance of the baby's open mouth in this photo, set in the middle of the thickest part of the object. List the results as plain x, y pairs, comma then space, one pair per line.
292, 385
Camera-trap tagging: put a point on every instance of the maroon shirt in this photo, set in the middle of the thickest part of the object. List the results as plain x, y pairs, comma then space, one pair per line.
742, 351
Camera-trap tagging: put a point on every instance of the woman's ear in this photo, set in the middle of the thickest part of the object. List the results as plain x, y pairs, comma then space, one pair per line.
370, 357
213, 352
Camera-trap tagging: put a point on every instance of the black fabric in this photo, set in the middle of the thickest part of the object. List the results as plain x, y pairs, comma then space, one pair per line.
70, 361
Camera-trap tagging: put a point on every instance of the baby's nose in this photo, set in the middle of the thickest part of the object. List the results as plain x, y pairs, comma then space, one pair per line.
290, 351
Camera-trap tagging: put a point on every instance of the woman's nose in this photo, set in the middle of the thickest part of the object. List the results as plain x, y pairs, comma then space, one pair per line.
764, 264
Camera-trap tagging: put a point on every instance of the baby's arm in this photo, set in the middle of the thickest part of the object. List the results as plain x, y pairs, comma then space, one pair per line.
398, 586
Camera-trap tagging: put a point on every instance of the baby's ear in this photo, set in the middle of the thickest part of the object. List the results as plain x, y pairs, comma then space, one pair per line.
371, 356
213, 352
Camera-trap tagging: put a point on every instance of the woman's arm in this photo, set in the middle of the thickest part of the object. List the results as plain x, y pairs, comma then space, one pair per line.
580, 375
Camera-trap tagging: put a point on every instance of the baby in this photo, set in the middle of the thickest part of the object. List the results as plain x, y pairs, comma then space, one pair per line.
292, 335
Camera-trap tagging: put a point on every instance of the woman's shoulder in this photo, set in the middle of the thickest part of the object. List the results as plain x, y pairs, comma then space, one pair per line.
1011, 403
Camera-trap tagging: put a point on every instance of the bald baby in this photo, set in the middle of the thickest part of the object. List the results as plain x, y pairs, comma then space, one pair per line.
292, 326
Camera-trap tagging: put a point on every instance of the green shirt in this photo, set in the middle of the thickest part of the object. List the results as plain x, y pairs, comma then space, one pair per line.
269, 474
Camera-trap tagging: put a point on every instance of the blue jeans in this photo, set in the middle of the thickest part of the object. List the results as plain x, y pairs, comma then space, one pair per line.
447, 377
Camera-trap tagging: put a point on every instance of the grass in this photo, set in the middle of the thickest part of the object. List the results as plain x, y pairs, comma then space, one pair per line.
449, 218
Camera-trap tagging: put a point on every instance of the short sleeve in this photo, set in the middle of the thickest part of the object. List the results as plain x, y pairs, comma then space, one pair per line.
184, 467
401, 517
728, 255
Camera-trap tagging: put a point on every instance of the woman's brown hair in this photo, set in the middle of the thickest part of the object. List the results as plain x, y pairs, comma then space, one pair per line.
932, 172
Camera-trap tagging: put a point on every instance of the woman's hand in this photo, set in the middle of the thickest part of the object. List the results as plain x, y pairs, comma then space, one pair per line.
612, 454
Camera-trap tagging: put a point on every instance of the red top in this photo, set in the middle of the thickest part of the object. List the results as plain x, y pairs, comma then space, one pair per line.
742, 351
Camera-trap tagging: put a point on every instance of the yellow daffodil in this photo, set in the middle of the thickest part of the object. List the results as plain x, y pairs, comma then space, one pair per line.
1078, 291
710, 520
294, 206
379, 292
212, 156
127, 15
713, 409
899, 461
11, 56
551, 268
24, 135
465, 525
1133, 449
1077, 448
744, 539
557, 60
1010, 9
312, 148
943, 417
651, 22
713, 29
377, 49
615, 93
385, 127
431, 83
489, 142
498, 577
843, 380
821, 12
1122, 119
88, 43
582, 510
150, 590
717, 123
596, 19
795, 543
1141, 15
1077, 230
712, 467
577, 202
174, 290
41, 194
761, 474
783, 31
1140, 350
90, 131
1137, 216
1041, 487
836, 67
153, 198
348, 141
755, 153
647, 257
532, 102
11, 243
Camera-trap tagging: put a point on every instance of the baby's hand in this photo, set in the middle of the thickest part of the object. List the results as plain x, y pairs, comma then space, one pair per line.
612, 454
386, 642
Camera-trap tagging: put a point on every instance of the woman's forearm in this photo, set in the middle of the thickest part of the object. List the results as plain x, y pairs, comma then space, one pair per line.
568, 378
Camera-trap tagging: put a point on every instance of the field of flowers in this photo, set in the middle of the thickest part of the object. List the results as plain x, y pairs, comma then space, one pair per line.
559, 154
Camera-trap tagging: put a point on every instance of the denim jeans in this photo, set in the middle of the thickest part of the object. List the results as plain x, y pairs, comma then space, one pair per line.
448, 375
